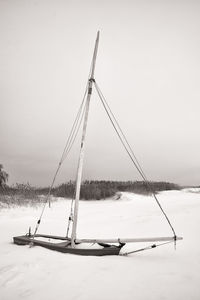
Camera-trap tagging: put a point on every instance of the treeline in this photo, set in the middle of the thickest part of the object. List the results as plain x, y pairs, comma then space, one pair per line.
89, 189
104, 189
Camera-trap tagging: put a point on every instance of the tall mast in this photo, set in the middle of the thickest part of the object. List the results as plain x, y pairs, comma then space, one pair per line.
81, 155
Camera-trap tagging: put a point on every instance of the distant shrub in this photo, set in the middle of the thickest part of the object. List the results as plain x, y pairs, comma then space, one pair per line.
25, 191
3, 177
18, 195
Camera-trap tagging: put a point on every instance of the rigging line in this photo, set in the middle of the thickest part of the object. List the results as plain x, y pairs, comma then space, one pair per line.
61, 161
89, 76
74, 127
75, 133
141, 173
70, 219
71, 135
117, 123
144, 178
132, 159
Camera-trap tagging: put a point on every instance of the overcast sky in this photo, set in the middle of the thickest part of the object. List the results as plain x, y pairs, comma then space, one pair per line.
147, 67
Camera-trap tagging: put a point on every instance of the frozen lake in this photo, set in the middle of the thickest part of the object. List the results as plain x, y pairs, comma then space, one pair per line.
160, 273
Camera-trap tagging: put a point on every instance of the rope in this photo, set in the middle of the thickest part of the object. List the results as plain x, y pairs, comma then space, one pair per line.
70, 219
118, 133
130, 152
74, 129
120, 130
75, 133
67, 148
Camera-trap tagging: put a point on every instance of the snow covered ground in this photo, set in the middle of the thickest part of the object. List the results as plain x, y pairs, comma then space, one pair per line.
160, 273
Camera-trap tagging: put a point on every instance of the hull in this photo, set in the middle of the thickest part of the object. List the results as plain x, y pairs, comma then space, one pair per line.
65, 246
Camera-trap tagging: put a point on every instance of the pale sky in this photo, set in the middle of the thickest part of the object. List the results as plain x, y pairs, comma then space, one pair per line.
147, 67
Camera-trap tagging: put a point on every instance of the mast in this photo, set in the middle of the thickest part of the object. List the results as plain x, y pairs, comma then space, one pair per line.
82, 148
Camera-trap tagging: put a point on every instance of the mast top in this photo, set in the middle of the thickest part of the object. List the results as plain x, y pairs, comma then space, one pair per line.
94, 56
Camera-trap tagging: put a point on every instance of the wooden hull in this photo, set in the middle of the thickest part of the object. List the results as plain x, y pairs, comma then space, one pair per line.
65, 246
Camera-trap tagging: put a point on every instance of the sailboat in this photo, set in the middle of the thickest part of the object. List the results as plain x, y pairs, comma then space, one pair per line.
70, 243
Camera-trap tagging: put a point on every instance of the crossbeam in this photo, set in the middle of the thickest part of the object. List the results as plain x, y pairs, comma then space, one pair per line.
128, 240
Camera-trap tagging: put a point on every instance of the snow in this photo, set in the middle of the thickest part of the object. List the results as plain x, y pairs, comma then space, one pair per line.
160, 273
